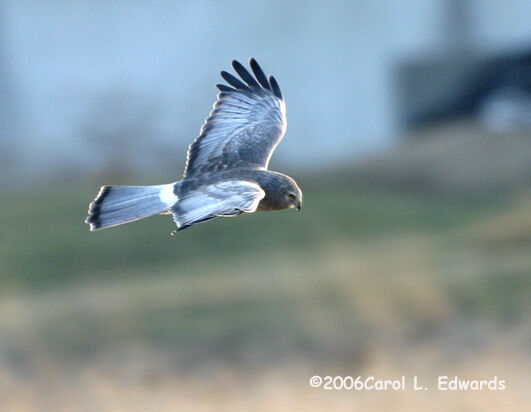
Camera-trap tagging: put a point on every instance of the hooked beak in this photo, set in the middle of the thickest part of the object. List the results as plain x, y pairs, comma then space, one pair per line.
298, 205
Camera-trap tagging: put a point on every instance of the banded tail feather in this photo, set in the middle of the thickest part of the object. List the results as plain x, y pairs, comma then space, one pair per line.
115, 205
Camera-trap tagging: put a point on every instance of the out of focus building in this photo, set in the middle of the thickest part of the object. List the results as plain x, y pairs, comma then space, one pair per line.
464, 80
355, 73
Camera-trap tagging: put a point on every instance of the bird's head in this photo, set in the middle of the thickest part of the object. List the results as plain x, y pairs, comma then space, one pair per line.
292, 194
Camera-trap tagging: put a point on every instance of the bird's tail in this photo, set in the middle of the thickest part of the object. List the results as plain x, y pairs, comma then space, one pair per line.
115, 205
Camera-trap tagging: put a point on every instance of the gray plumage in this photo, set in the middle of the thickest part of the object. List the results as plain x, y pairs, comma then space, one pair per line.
226, 170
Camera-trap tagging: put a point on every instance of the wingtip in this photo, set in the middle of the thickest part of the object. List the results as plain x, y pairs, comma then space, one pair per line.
234, 81
259, 74
224, 88
275, 87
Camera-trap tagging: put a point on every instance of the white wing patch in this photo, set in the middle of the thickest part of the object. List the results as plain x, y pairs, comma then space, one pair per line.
167, 196
222, 199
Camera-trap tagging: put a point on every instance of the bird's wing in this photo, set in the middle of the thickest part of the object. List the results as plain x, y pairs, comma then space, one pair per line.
224, 198
245, 126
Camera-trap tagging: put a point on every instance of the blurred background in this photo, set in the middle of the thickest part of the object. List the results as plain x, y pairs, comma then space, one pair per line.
410, 135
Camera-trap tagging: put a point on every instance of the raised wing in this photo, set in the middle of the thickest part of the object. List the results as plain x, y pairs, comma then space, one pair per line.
247, 123
225, 198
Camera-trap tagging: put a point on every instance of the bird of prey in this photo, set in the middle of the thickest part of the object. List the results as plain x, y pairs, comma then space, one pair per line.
226, 170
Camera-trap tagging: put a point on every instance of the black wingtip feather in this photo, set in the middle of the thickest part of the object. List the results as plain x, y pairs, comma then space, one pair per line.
275, 87
224, 88
260, 81
244, 74
233, 81
258, 72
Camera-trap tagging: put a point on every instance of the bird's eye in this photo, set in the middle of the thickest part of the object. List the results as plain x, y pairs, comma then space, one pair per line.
291, 196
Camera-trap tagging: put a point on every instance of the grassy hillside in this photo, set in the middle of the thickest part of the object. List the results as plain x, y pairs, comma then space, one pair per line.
45, 242
361, 281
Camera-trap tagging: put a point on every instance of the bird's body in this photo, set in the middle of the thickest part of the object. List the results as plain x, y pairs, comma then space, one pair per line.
226, 172
269, 181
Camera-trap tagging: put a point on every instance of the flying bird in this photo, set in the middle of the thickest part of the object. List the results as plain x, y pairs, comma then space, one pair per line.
226, 172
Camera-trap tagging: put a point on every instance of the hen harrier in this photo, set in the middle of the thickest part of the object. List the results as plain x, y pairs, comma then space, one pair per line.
226, 170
